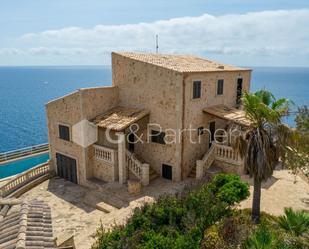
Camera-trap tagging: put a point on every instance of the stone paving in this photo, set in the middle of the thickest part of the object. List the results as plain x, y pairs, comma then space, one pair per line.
80, 211
279, 192
74, 208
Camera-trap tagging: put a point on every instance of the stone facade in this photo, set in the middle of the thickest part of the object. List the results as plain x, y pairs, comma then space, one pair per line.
166, 91
69, 110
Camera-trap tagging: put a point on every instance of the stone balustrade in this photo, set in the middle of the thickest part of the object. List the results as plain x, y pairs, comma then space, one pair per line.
24, 178
227, 154
139, 169
105, 154
14, 154
205, 163
217, 152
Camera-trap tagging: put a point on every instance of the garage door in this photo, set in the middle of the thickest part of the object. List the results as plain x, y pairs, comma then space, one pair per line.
66, 167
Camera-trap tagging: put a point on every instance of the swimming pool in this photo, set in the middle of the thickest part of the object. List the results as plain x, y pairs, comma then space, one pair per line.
21, 165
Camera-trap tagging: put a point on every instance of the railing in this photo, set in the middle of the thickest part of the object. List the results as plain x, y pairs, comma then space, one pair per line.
24, 178
218, 152
105, 154
5, 156
205, 163
134, 164
139, 169
226, 154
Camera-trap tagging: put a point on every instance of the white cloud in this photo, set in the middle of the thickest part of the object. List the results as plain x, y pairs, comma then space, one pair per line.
257, 35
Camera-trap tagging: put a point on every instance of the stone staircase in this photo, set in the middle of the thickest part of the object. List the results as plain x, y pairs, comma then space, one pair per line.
153, 174
219, 153
137, 166
193, 172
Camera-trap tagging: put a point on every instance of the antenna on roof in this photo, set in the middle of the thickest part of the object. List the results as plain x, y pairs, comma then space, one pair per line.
157, 43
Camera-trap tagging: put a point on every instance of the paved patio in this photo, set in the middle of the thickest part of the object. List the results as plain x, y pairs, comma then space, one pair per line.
279, 192
78, 210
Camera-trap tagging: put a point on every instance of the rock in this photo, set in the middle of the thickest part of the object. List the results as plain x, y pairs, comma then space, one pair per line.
134, 187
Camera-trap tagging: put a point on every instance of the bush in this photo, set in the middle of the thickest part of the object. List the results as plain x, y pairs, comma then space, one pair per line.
221, 179
175, 222
296, 222
229, 188
262, 238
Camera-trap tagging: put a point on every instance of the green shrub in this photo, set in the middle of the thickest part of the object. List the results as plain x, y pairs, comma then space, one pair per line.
262, 238
229, 188
296, 222
233, 192
175, 222
221, 179
212, 239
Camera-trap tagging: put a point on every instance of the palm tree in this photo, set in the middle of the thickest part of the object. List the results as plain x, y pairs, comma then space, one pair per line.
262, 143
296, 222
262, 238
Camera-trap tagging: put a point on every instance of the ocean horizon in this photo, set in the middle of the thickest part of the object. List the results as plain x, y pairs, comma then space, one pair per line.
24, 91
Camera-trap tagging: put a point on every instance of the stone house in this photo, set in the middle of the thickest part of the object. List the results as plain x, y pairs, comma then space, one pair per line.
159, 118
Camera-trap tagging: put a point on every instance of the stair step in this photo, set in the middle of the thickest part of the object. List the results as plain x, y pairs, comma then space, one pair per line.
153, 174
192, 174
102, 206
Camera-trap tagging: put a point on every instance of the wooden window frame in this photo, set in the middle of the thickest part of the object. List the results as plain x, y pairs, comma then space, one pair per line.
69, 132
158, 137
196, 89
200, 131
219, 88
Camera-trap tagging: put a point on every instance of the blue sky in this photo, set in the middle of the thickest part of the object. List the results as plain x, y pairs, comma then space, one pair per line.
80, 32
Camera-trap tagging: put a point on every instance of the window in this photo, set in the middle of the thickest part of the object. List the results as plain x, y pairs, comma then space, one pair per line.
157, 137
239, 91
64, 132
220, 87
200, 131
196, 89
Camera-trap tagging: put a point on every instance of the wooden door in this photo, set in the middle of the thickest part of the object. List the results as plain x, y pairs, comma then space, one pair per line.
212, 129
131, 142
239, 91
66, 167
167, 172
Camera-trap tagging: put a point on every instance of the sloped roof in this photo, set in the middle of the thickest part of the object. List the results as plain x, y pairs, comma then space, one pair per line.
181, 63
119, 118
228, 113
27, 225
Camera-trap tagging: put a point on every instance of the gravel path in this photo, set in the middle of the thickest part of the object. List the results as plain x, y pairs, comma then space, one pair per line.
279, 192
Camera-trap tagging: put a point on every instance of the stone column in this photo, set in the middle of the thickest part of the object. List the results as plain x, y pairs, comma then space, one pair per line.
145, 174
122, 158
199, 169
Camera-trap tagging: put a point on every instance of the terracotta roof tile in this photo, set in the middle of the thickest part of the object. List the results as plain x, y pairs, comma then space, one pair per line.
228, 113
181, 63
119, 118
27, 225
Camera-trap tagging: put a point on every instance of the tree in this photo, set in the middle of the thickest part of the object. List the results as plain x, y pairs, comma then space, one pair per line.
261, 145
297, 148
302, 119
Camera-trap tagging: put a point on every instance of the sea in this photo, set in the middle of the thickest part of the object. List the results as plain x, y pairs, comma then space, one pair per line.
24, 91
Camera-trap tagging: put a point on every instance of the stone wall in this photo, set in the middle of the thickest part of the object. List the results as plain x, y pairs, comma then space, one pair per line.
71, 109
159, 90
194, 116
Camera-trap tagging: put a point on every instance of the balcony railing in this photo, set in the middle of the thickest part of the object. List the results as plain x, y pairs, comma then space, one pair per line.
104, 154
139, 169
14, 154
217, 152
226, 154
24, 178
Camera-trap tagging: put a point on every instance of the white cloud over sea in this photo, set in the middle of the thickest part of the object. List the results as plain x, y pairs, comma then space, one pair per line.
257, 38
